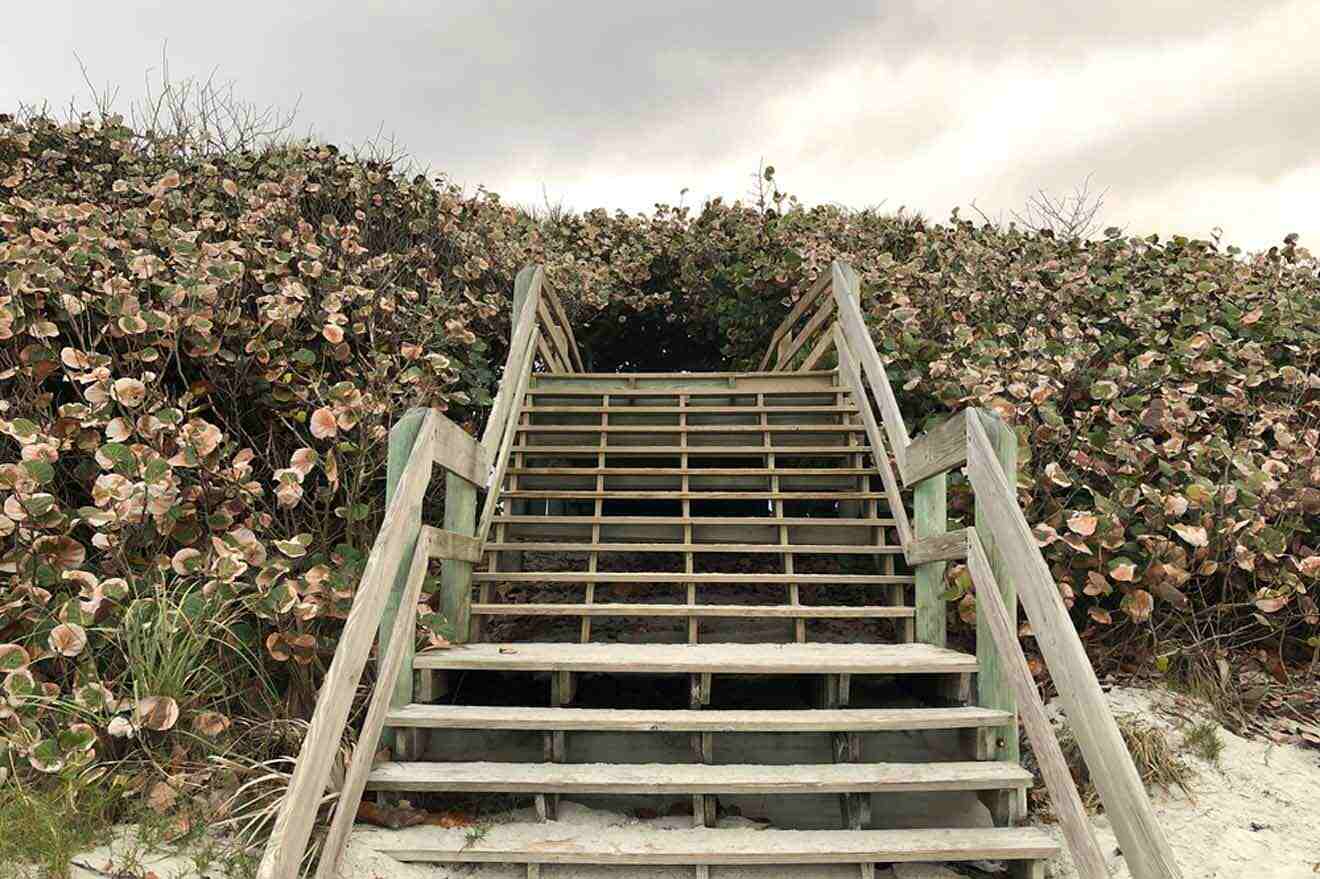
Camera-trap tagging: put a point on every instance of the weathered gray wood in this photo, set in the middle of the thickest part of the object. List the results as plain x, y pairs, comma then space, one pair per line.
819, 350
458, 452
456, 574
818, 288
746, 611
678, 546
685, 778
930, 520
1143, 842
821, 522
853, 378
448, 545
392, 660
403, 444
642, 577
495, 487
992, 687
567, 844
297, 809
595, 429
719, 658
1066, 801
823, 314
938, 450
526, 297
950, 546
816, 451
847, 293
690, 720
561, 315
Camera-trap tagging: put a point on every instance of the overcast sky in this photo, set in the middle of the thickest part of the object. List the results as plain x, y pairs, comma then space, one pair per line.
1192, 115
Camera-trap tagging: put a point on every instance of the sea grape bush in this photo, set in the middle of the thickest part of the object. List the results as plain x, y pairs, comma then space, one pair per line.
201, 356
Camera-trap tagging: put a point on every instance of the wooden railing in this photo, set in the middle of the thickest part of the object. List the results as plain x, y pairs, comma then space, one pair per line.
1006, 565
391, 584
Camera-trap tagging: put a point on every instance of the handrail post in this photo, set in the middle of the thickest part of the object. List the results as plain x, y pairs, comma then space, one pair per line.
402, 445
930, 511
456, 575
992, 687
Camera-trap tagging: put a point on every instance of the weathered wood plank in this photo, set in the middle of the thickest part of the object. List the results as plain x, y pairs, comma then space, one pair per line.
940, 449
645, 577
689, 720
822, 347
495, 486
558, 843
950, 546
847, 292
1143, 842
457, 451
747, 611
818, 287
297, 809
930, 521
813, 326
679, 546
451, 545
721, 658
526, 296
679, 778
1066, 801
853, 378
392, 660
992, 688
787, 451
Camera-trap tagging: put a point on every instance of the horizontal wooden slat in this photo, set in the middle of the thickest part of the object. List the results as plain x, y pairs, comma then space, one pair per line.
806, 472
758, 548
448, 545
718, 451
698, 521
686, 720
768, 659
690, 410
460, 453
747, 611
937, 450
644, 577
555, 842
620, 495
682, 778
691, 428
948, 547
795, 384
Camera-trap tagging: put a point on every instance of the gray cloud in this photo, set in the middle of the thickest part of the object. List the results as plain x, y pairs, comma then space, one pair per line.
1191, 113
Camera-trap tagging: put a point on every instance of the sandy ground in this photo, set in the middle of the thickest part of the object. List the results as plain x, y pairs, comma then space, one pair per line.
1255, 814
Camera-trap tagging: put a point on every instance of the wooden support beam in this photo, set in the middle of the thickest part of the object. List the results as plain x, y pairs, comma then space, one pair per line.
931, 519
1140, 836
456, 574
938, 450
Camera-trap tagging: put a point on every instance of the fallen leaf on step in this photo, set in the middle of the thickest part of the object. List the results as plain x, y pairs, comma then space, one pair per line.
507, 650
450, 818
386, 816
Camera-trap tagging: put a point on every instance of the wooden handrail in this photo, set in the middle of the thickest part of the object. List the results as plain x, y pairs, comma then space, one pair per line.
1006, 566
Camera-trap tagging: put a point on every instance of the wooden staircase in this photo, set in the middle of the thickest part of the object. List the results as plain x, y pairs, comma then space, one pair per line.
704, 589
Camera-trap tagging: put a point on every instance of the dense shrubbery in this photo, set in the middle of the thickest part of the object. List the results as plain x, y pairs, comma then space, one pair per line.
200, 356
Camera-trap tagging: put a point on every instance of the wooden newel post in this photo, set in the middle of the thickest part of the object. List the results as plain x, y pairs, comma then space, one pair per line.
930, 510
993, 691
403, 439
456, 576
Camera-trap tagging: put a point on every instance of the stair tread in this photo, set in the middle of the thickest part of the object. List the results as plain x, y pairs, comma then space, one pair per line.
750, 409
761, 611
808, 472
683, 778
691, 428
679, 577
689, 720
794, 658
759, 548
556, 842
667, 451
838, 494
697, 521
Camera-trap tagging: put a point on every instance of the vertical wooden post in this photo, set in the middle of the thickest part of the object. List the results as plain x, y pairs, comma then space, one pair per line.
456, 576
993, 691
931, 513
402, 444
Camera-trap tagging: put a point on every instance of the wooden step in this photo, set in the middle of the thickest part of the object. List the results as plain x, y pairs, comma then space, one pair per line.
686, 720
698, 521
696, 778
569, 494
670, 451
619, 609
688, 410
757, 659
691, 428
562, 843
756, 548
693, 471
640, 578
